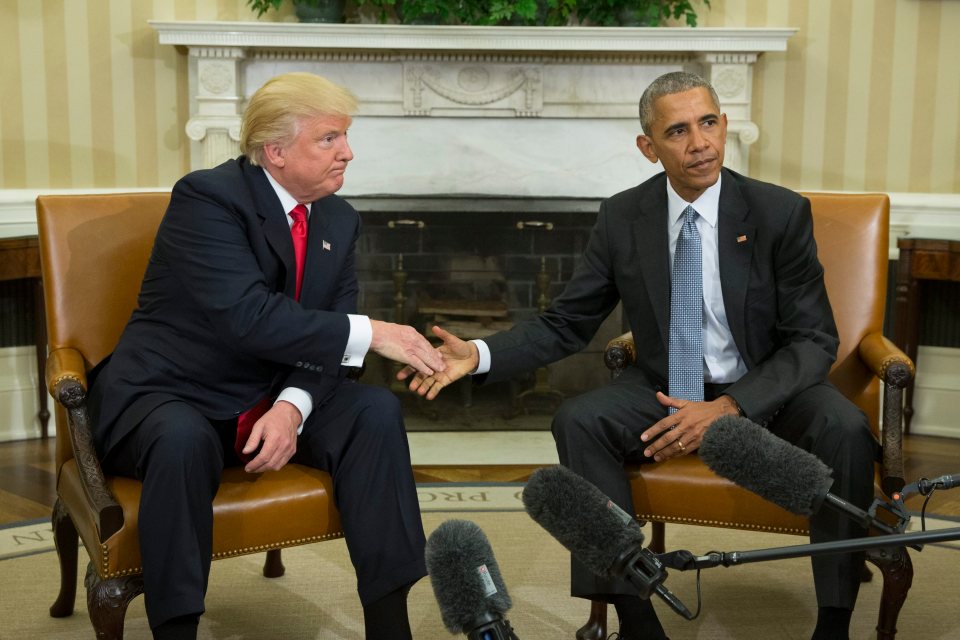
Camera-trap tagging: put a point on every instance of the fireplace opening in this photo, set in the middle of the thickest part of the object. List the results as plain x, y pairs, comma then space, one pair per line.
475, 266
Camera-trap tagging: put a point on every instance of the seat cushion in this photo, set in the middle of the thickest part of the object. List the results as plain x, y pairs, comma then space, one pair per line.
685, 490
251, 513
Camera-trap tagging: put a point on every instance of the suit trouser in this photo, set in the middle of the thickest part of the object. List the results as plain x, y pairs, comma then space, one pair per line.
597, 433
357, 436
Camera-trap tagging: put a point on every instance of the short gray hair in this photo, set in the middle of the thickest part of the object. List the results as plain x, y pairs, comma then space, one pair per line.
668, 84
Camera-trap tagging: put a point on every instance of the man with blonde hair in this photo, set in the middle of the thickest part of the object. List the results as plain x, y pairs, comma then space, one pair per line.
240, 351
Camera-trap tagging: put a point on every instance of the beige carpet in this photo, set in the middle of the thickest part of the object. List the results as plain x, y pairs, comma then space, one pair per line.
317, 599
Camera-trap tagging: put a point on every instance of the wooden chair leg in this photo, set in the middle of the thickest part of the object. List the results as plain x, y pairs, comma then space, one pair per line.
273, 565
657, 537
107, 602
897, 570
65, 538
596, 627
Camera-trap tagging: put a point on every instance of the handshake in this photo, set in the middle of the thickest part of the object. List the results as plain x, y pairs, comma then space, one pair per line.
428, 368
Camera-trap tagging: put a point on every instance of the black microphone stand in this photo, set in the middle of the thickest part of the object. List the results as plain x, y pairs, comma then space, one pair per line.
684, 560
893, 540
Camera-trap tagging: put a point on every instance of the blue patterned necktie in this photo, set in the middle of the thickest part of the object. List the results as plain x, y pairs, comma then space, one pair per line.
686, 314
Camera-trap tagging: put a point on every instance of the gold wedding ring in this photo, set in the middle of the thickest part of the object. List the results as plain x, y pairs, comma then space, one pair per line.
680, 444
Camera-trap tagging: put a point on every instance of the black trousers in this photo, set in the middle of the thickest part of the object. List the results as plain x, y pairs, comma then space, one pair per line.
597, 433
357, 436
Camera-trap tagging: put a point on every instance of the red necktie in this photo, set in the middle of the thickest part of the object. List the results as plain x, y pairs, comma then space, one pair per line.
299, 233
246, 420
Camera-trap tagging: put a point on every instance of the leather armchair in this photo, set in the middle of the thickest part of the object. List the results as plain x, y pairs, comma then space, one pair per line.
94, 250
852, 235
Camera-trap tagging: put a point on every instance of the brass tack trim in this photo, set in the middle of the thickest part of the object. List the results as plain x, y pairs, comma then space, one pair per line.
65, 376
222, 554
723, 524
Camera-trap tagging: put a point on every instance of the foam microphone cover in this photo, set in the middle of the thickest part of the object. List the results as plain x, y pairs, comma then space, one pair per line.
750, 456
581, 518
465, 577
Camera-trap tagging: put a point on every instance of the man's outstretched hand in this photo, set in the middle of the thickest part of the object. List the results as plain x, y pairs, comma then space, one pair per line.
461, 358
405, 345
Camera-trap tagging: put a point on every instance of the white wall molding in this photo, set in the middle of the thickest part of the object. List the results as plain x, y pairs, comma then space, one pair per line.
18, 209
18, 394
919, 215
936, 393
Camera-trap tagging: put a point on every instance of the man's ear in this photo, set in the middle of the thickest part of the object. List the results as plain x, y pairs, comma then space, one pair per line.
645, 144
273, 153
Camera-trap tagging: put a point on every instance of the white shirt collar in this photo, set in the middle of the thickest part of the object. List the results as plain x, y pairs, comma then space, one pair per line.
287, 201
707, 205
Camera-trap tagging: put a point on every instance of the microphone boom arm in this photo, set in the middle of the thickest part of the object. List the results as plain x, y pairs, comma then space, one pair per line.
684, 560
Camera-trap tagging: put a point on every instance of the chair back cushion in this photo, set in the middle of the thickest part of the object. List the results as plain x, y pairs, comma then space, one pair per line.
852, 234
94, 250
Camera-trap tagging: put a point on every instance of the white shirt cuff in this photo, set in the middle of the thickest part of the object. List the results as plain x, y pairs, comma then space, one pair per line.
484, 352
361, 335
300, 399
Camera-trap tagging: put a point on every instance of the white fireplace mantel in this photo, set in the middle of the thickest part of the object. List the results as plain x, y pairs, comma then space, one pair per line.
515, 111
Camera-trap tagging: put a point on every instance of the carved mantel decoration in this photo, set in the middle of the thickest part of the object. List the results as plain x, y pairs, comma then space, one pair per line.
518, 111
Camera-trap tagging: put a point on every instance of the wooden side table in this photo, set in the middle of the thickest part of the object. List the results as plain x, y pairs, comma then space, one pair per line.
920, 259
20, 258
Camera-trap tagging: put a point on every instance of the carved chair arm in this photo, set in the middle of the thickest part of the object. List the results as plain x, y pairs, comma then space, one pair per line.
67, 380
620, 353
895, 370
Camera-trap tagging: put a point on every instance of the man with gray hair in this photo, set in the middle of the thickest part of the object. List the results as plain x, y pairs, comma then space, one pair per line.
720, 282
240, 352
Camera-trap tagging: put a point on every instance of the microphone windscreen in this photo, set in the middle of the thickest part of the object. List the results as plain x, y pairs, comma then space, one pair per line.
581, 518
465, 577
750, 456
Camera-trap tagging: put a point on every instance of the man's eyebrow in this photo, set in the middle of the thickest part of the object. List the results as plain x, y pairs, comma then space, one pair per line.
681, 125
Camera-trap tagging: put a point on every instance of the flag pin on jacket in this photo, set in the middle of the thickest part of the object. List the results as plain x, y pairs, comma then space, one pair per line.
326, 246
739, 239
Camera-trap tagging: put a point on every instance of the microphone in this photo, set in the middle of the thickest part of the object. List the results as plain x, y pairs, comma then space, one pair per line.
750, 456
925, 487
601, 535
467, 582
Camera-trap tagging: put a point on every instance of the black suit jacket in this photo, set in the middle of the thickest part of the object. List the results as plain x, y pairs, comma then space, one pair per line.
216, 323
772, 283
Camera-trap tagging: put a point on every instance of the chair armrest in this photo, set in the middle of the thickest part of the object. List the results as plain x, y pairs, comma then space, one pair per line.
886, 360
620, 353
67, 380
895, 370
65, 363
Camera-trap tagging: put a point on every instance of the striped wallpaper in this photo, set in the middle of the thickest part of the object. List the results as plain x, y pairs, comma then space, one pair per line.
867, 96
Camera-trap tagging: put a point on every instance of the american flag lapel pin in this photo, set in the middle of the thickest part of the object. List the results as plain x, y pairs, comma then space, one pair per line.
326, 246
740, 239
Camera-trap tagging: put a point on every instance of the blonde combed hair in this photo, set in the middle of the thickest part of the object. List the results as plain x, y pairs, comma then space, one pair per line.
276, 109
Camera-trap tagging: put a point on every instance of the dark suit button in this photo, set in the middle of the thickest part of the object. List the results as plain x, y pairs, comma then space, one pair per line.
319, 368
299, 363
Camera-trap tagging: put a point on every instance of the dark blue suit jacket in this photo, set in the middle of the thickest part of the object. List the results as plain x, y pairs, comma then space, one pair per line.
772, 283
216, 323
